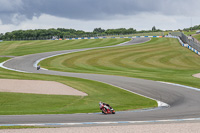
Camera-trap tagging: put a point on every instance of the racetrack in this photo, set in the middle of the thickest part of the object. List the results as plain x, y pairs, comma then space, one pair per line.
183, 101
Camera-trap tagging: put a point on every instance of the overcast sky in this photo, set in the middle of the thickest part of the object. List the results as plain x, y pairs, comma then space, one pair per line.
89, 14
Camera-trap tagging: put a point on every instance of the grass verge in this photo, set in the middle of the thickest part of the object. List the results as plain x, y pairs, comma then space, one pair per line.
21, 127
197, 37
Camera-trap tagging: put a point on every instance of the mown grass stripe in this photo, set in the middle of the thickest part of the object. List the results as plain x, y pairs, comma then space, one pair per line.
18, 48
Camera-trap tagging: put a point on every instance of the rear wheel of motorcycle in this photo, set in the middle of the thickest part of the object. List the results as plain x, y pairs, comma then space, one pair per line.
104, 111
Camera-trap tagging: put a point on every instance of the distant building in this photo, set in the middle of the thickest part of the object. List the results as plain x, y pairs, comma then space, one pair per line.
198, 32
54, 38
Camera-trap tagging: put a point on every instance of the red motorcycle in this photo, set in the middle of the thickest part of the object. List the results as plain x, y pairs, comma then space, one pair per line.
106, 108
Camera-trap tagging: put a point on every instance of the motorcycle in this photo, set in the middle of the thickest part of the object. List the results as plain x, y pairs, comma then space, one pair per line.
38, 67
106, 109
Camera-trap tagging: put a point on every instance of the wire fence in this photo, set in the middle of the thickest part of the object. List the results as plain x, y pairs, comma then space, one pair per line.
191, 41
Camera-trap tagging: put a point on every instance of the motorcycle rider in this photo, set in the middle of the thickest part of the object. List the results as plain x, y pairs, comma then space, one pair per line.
105, 104
38, 67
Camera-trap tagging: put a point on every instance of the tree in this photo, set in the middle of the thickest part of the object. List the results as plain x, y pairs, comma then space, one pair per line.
98, 30
153, 28
1, 36
65, 33
131, 31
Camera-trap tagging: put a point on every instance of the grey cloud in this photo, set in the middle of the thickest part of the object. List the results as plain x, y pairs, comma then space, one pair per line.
94, 9
10, 5
10, 9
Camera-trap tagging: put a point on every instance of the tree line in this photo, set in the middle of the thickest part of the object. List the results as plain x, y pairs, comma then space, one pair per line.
40, 34
196, 27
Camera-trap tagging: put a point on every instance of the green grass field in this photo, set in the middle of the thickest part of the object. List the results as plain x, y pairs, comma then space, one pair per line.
142, 34
189, 32
19, 103
197, 37
161, 59
18, 48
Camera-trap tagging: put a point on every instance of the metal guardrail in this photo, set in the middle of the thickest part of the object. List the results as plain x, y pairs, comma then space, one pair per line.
188, 40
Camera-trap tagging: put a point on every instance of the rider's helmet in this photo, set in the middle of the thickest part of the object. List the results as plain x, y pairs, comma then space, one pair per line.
100, 103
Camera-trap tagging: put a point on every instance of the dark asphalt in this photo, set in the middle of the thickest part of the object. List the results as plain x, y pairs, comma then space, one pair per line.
184, 102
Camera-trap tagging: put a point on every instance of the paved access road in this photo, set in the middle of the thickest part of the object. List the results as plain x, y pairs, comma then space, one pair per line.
184, 102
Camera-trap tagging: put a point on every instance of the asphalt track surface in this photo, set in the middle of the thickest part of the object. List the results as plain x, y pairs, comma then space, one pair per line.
184, 102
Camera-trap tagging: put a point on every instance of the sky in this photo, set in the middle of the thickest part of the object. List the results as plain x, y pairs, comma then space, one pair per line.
107, 14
